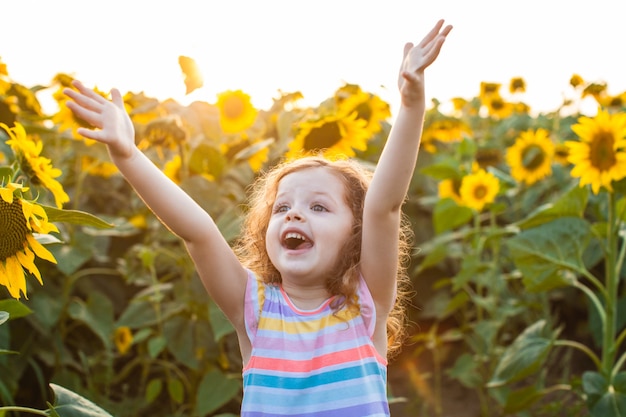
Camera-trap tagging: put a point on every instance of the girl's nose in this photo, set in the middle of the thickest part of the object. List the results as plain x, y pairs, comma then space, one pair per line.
293, 215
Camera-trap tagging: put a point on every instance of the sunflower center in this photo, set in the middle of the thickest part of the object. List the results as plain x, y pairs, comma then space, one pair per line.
497, 104
323, 137
533, 157
480, 192
13, 228
602, 154
233, 108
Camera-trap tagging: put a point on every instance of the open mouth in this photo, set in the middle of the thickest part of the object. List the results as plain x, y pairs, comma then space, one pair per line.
293, 240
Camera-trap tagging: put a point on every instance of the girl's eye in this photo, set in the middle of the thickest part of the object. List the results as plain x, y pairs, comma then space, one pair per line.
281, 208
318, 207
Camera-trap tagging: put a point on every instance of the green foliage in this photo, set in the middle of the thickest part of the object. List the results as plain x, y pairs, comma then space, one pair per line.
122, 318
69, 404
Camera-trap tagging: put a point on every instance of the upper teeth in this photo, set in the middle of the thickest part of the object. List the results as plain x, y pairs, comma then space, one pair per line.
294, 235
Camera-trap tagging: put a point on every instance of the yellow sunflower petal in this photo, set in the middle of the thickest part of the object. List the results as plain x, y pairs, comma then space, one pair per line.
599, 157
27, 259
39, 249
15, 277
4, 277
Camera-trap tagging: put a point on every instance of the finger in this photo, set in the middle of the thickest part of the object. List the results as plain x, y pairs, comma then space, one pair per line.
433, 52
116, 97
410, 77
432, 34
88, 92
82, 99
407, 48
87, 115
91, 134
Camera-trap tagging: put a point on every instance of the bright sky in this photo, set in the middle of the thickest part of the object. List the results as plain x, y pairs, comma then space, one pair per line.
262, 46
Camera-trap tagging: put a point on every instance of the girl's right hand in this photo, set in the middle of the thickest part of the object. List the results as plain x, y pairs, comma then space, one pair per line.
113, 125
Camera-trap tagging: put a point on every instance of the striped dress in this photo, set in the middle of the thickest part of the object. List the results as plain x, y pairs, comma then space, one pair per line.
313, 362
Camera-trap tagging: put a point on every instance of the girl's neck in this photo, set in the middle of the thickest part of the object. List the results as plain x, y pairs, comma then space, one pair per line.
306, 297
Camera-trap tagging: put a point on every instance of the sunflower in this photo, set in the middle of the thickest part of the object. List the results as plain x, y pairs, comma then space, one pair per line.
447, 129
615, 102
576, 80
596, 90
166, 133
172, 169
332, 135
600, 157
561, 153
123, 339
479, 189
488, 90
256, 152
143, 110
368, 107
93, 166
19, 221
38, 169
449, 188
517, 85
236, 111
530, 157
487, 157
498, 107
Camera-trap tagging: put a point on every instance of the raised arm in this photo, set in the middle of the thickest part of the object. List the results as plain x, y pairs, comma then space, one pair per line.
387, 192
218, 267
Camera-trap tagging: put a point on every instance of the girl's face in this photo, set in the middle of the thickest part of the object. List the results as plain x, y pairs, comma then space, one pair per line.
309, 225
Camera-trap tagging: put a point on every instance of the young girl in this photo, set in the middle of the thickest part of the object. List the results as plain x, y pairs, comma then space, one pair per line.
312, 287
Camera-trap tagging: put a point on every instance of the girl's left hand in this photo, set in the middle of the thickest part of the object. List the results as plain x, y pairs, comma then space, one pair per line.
416, 59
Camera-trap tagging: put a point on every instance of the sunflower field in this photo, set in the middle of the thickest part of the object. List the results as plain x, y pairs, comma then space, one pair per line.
518, 269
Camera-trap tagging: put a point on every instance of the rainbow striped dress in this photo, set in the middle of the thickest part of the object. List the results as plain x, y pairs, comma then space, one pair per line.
313, 362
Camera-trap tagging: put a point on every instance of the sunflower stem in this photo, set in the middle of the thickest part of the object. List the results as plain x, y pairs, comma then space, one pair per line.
9, 408
583, 348
610, 306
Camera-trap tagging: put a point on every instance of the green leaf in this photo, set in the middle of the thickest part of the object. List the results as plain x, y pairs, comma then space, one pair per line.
449, 215
176, 390
141, 313
75, 216
49, 307
120, 227
571, 204
434, 257
521, 399
219, 323
97, 314
229, 223
214, 391
155, 386
443, 170
70, 404
14, 309
525, 355
207, 159
251, 150
545, 254
72, 256
605, 399
179, 332
465, 370
6, 173
4, 317
156, 346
